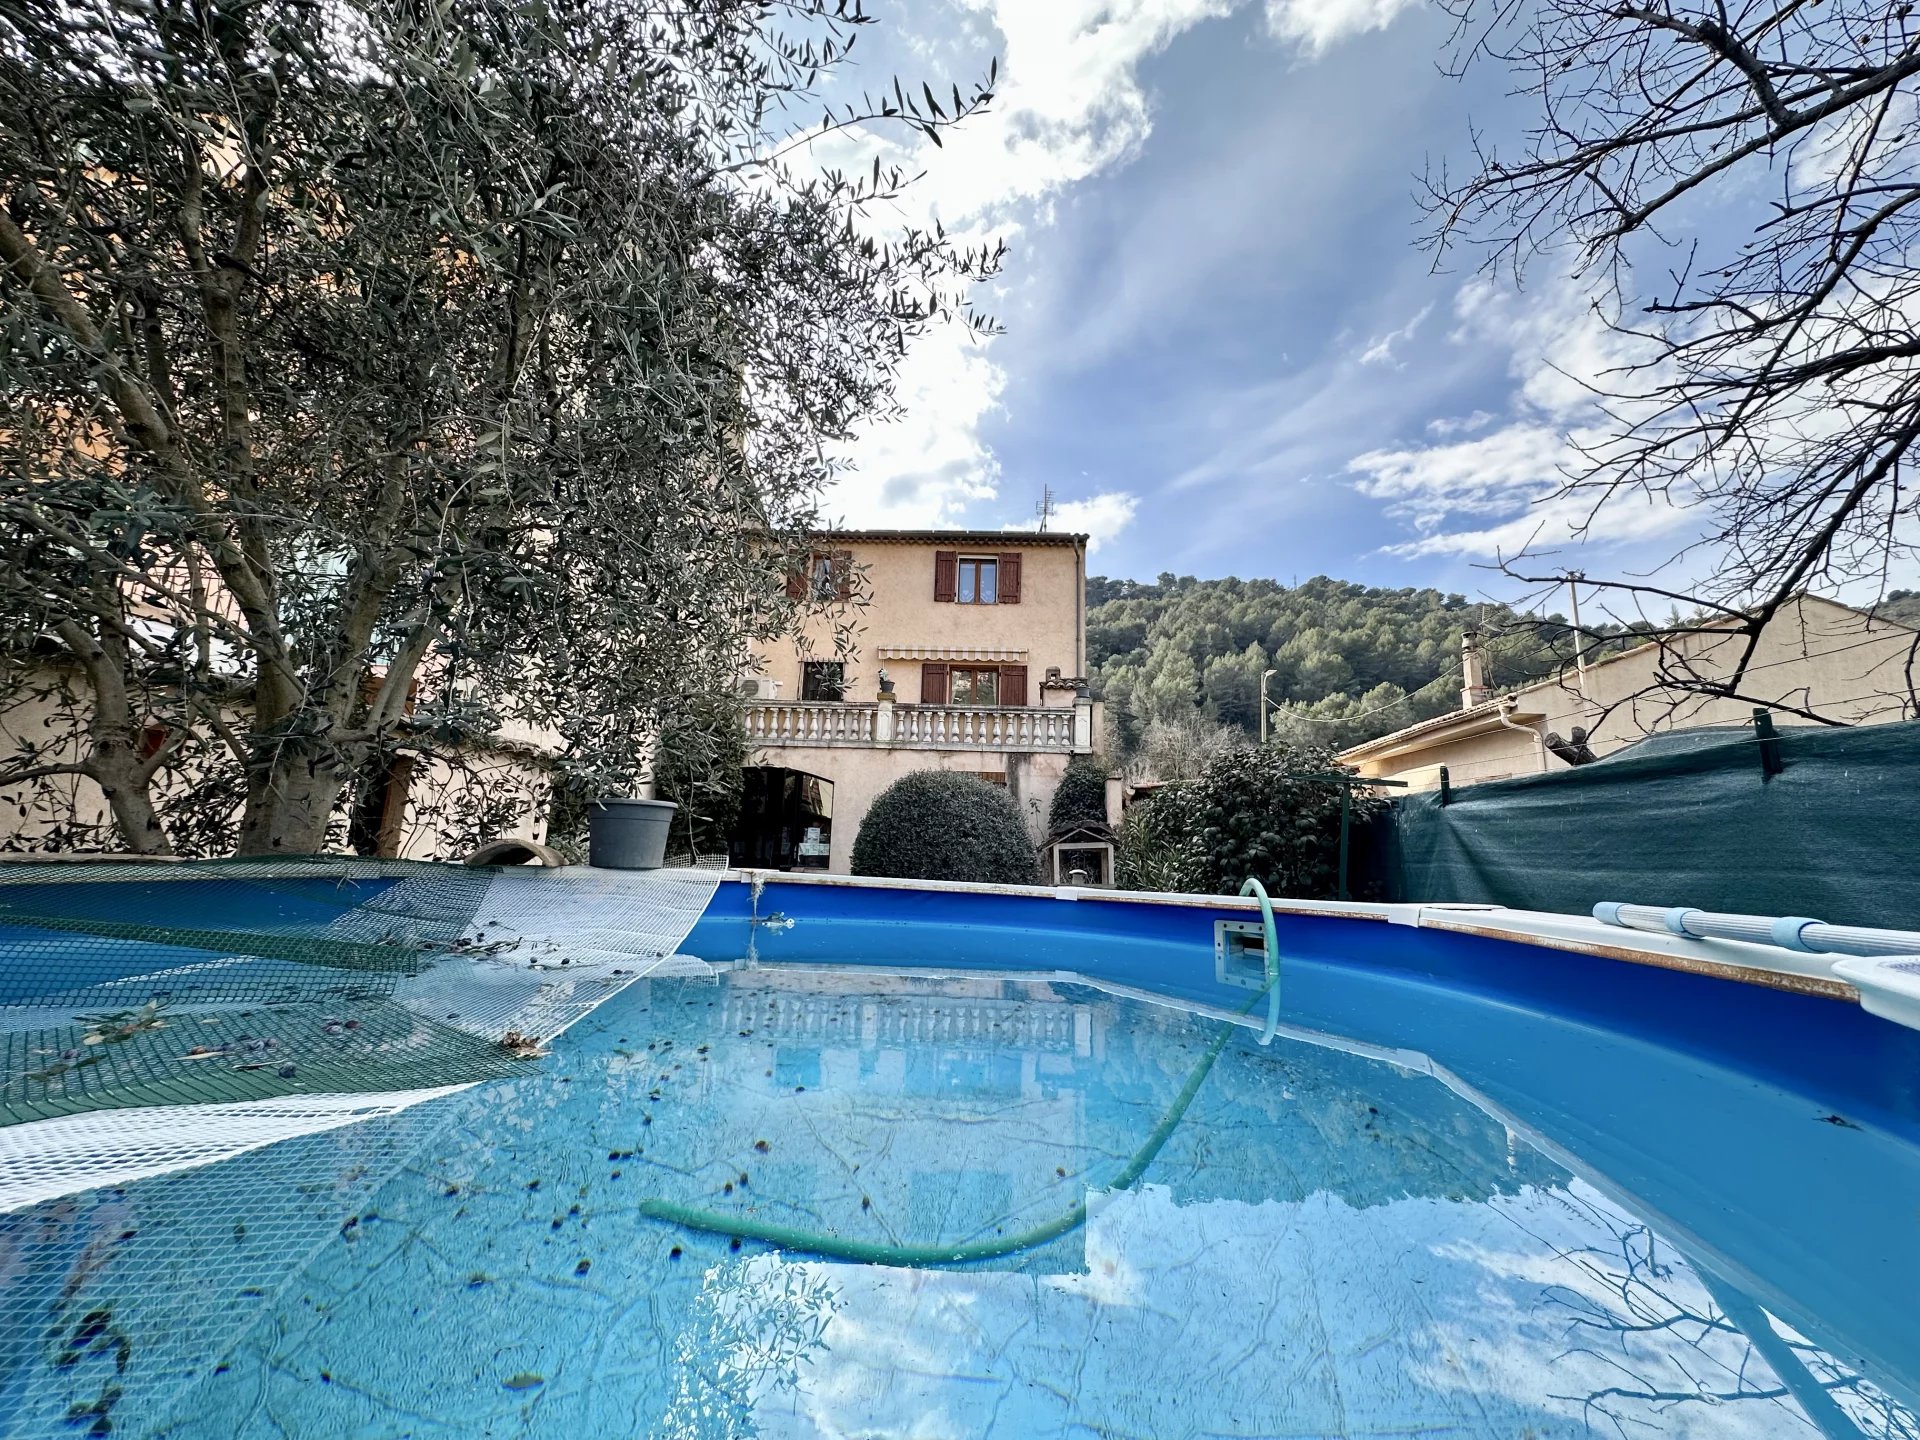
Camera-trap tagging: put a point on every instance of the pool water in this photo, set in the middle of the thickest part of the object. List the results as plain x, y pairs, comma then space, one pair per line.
1329, 1243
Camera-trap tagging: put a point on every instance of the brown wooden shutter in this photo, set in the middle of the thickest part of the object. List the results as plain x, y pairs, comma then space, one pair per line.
946, 567
843, 574
1013, 685
1010, 579
797, 583
933, 684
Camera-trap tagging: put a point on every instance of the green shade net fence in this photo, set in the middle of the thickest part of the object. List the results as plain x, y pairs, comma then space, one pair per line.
1691, 818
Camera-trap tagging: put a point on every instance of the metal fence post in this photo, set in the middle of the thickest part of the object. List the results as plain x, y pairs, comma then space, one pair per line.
1346, 813
1770, 762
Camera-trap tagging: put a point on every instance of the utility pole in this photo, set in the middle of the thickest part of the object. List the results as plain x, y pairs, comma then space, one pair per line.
1574, 577
1265, 675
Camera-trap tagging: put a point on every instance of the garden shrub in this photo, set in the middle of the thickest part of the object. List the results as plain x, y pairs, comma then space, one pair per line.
1156, 849
1258, 811
1255, 811
1081, 801
937, 825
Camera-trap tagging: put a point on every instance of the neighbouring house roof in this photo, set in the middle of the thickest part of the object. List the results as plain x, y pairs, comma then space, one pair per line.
1086, 832
994, 539
1143, 788
1452, 725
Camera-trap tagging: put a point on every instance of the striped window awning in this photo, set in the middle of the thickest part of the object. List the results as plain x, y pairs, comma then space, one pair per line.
950, 652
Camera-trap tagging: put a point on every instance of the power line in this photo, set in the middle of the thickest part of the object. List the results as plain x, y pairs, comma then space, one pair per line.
1346, 719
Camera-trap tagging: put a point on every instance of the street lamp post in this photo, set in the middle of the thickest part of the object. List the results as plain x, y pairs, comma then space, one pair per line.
1265, 675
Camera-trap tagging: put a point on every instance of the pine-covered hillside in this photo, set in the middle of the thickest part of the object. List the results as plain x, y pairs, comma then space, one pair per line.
1352, 661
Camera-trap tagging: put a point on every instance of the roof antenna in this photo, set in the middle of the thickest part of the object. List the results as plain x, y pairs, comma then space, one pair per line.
1045, 508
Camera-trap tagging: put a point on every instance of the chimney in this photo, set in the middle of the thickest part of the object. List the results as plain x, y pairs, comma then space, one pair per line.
1474, 689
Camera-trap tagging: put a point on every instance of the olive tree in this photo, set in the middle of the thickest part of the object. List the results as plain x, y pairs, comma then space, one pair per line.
379, 375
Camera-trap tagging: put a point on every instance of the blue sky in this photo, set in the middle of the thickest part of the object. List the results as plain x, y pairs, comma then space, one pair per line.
1223, 350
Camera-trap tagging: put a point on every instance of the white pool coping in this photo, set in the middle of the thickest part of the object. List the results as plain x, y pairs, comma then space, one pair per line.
1800, 972
1780, 969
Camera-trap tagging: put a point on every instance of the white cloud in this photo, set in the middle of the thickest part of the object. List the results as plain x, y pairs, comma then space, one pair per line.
1099, 517
1317, 25
1478, 492
1551, 521
1560, 347
1379, 350
923, 469
1860, 136
1461, 424
1069, 104
1490, 475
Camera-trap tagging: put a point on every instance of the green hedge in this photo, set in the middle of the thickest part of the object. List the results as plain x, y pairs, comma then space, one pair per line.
1255, 811
1156, 849
1081, 800
934, 825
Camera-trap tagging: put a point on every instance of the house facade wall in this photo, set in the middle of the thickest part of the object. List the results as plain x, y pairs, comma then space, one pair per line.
859, 776
1815, 655
893, 608
38, 815
1495, 754
892, 621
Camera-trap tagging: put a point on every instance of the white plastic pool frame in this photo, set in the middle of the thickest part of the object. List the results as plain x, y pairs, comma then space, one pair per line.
1799, 972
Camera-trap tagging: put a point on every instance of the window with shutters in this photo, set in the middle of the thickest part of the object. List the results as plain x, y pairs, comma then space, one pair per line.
978, 582
976, 579
1003, 685
820, 578
828, 575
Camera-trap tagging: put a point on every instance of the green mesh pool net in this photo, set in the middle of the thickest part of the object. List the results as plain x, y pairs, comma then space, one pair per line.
244, 998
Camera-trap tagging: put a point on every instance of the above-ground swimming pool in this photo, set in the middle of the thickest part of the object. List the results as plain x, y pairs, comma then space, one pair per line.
879, 1160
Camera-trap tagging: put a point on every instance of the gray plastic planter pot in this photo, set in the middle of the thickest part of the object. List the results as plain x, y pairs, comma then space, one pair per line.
628, 834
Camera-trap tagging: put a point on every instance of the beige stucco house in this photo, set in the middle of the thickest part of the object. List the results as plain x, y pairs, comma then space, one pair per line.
1816, 658
981, 637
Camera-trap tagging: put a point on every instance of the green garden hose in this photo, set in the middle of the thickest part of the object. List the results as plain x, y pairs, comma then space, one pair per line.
874, 1252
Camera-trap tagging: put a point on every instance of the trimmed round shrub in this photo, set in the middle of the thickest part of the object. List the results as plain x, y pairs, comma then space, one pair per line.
935, 825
